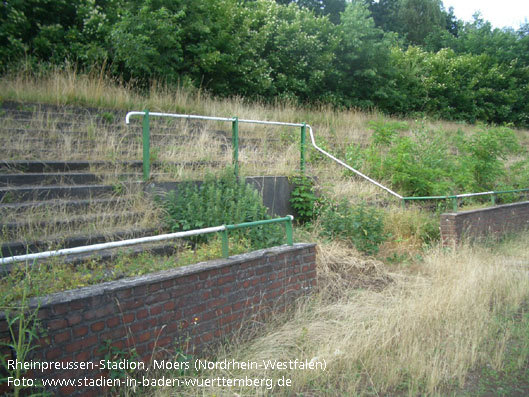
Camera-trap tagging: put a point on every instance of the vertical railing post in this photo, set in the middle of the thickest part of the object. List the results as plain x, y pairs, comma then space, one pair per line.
493, 199
235, 144
225, 248
454, 204
146, 147
302, 148
288, 230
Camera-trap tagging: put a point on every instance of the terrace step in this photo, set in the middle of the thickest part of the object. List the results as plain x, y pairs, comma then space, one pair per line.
50, 166
48, 178
35, 193
62, 178
11, 229
50, 202
38, 166
68, 205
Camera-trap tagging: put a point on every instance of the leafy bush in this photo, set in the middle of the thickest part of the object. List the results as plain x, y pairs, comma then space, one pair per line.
430, 163
217, 202
361, 225
302, 198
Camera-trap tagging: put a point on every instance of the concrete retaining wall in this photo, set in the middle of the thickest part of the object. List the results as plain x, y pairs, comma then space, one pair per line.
275, 191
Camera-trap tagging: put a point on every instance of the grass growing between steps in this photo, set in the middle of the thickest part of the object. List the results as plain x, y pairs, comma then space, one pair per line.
53, 276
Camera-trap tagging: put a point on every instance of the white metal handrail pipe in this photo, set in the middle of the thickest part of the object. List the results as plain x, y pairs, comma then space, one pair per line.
313, 142
209, 118
113, 244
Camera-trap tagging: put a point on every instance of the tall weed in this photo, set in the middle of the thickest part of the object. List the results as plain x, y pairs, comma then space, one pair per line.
215, 202
430, 163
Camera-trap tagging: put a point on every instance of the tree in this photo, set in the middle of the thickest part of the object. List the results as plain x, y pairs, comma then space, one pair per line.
419, 18
332, 8
362, 61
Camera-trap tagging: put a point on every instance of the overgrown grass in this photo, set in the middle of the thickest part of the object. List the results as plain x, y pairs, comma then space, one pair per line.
40, 279
277, 150
384, 333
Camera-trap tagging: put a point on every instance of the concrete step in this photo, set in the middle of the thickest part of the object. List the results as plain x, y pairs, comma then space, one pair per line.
49, 178
56, 204
36, 193
64, 178
50, 166
38, 166
11, 230
20, 247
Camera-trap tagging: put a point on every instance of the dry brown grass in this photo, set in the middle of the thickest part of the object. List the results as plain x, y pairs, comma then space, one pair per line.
385, 333
133, 211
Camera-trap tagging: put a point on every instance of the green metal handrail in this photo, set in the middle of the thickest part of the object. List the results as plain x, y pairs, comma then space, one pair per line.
234, 136
288, 230
455, 198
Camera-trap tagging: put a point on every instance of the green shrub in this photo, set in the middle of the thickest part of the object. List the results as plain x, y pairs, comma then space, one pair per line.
215, 202
361, 225
303, 198
431, 163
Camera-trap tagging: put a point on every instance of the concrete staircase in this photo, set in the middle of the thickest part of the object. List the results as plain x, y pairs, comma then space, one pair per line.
59, 204
72, 176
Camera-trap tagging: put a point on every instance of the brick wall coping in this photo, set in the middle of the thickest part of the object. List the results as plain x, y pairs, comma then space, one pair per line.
160, 276
487, 209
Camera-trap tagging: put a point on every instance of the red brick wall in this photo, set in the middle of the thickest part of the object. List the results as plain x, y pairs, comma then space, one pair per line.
193, 305
484, 222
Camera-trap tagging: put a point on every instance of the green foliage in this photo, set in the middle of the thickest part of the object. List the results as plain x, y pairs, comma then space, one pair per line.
430, 163
113, 353
484, 152
25, 330
147, 41
46, 278
353, 54
221, 201
303, 199
361, 225
457, 87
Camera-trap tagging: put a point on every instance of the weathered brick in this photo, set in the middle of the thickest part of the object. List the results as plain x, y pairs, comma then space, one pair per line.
80, 331
216, 302
142, 313
128, 318
61, 308
54, 353
155, 310
57, 324
236, 293
97, 326
113, 322
225, 279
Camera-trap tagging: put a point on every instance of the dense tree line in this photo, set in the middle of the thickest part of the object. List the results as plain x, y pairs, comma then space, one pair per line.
401, 56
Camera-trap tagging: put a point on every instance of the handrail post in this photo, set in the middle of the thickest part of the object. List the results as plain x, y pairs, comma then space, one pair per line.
288, 230
493, 199
302, 148
454, 204
235, 144
146, 147
225, 247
